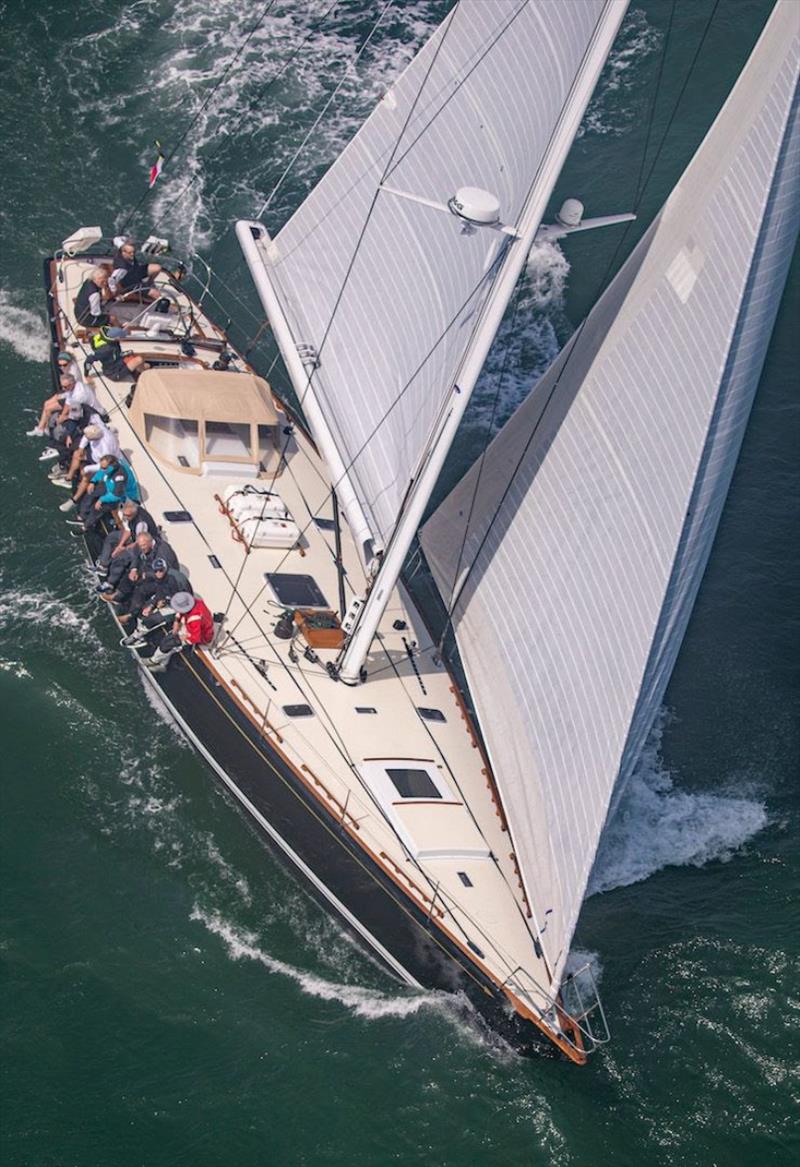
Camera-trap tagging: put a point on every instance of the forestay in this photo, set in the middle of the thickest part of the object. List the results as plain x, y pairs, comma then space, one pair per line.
387, 290
592, 515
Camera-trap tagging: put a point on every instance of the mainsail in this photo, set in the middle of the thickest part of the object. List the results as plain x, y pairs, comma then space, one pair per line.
377, 282
591, 517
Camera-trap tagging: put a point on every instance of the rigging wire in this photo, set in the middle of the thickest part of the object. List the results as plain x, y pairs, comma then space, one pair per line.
489, 431
485, 50
265, 11
679, 98
265, 88
351, 464
602, 284
258, 320
325, 108
651, 112
448, 23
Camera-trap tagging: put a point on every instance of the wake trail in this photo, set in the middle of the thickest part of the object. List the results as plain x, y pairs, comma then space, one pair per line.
23, 331
657, 825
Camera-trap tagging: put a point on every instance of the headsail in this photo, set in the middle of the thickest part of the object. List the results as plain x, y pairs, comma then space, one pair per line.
593, 512
375, 278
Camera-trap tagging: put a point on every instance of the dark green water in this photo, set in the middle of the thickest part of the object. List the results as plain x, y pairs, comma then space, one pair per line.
169, 994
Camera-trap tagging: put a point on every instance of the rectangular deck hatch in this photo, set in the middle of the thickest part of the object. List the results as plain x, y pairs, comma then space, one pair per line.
296, 591
413, 783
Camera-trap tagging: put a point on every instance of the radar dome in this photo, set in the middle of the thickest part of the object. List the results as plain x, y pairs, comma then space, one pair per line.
476, 206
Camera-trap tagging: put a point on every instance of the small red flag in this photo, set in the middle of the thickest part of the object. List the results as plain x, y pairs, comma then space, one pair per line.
157, 166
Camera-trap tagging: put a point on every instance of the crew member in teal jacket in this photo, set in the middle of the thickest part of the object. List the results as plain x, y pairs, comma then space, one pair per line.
111, 485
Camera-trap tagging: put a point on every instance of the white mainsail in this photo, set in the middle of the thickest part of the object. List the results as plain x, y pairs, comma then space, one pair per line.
592, 514
375, 279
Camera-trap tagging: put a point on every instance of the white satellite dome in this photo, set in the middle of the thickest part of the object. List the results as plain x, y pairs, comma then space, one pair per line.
476, 206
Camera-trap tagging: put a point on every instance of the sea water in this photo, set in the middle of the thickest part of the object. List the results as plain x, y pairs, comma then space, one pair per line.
170, 995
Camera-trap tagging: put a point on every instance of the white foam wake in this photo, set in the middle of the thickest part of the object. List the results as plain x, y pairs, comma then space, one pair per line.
620, 95
44, 609
546, 272
22, 330
15, 667
657, 825
269, 106
527, 342
362, 1002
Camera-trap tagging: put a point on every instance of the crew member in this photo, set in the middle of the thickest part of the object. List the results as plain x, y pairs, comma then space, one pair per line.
91, 300
193, 626
129, 275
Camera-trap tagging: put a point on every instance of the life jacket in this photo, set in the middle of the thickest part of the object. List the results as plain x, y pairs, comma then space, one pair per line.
119, 482
104, 349
131, 484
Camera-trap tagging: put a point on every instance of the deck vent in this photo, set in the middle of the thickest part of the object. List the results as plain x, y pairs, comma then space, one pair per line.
298, 711
430, 714
177, 516
212, 559
465, 879
366, 709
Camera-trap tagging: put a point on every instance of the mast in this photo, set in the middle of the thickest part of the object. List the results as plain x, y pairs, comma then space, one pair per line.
521, 239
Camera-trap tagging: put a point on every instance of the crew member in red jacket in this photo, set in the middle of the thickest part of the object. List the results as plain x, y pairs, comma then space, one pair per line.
193, 625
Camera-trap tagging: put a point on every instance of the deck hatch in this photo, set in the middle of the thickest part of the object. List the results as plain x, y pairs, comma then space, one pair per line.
298, 710
465, 879
412, 783
296, 591
430, 714
366, 709
212, 559
177, 516
324, 524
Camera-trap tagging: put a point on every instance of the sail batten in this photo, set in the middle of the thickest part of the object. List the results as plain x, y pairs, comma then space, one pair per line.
593, 511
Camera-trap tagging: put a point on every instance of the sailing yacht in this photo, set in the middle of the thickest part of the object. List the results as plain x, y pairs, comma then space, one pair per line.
452, 826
